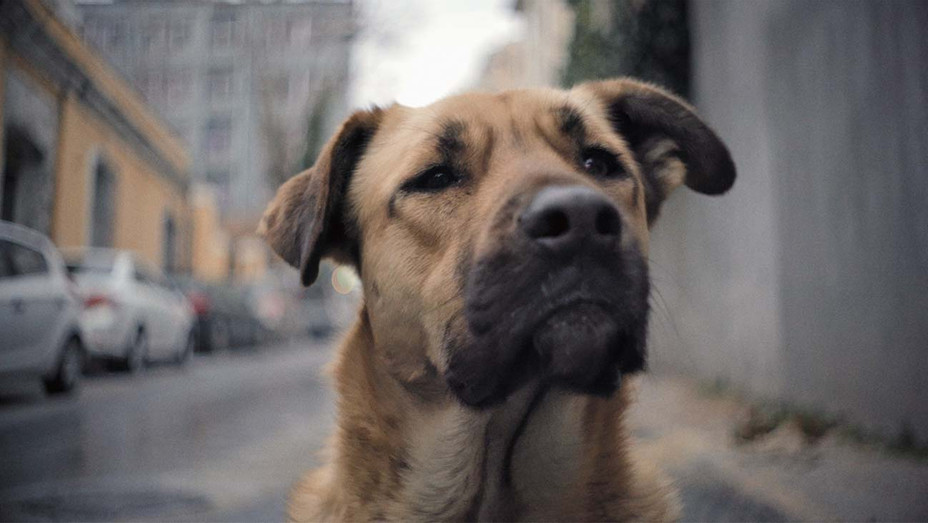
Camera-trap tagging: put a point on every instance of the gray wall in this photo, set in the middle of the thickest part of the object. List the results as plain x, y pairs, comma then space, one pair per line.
809, 280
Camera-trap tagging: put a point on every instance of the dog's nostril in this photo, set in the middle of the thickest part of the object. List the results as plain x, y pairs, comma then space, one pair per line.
554, 224
607, 222
550, 223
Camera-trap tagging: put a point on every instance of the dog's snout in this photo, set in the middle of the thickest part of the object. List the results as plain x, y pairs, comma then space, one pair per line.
563, 217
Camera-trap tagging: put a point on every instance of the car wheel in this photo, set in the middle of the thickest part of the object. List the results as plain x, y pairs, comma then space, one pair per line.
68, 371
186, 350
137, 353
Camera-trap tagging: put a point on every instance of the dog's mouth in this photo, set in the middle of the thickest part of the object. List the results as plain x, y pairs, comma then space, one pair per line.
579, 329
584, 347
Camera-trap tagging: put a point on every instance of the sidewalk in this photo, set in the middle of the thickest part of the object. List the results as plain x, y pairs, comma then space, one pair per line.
689, 434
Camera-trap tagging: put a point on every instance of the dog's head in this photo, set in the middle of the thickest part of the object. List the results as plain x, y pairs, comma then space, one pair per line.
501, 237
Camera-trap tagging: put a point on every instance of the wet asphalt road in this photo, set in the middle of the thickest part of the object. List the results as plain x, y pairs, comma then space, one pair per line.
220, 439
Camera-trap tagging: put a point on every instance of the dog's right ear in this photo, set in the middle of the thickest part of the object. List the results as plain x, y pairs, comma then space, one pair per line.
307, 220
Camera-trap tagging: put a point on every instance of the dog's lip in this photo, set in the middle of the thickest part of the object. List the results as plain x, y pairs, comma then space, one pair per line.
545, 312
572, 303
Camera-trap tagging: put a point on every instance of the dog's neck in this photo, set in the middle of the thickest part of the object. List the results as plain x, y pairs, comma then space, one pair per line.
440, 460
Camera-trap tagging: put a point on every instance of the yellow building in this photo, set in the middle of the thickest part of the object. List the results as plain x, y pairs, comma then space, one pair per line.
84, 160
212, 245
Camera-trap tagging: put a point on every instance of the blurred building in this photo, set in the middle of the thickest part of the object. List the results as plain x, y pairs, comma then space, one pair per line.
251, 261
238, 81
84, 160
538, 59
808, 282
211, 247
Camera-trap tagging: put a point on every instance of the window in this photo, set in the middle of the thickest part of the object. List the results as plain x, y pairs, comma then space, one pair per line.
18, 260
277, 86
178, 86
93, 33
27, 261
169, 244
219, 82
111, 36
103, 212
275, 32
182, 131
153, 86
153, 35
178, 34
218, 136
299, 32
222, 29
218, 177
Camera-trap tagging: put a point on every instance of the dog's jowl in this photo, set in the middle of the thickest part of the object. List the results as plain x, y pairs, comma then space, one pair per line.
502, 243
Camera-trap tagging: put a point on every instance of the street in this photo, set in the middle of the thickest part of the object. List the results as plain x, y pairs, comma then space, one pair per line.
223, 438
220, 439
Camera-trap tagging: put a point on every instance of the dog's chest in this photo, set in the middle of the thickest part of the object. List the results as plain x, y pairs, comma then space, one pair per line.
519, 462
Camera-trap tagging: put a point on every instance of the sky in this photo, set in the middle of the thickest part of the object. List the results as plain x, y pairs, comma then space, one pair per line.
417, 51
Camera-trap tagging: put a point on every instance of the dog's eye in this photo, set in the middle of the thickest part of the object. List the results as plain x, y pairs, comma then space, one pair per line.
433, 179
601, 164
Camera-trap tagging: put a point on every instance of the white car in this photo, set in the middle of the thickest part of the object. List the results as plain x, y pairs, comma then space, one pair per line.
39, 309
132, 314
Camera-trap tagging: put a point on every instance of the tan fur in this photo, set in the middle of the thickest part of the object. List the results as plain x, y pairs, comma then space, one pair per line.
405, 448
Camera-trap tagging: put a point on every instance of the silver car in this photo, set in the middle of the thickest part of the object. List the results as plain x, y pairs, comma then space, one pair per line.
39, 310
132, 314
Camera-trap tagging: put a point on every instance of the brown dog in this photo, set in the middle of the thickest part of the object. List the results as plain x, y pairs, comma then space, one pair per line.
501, 240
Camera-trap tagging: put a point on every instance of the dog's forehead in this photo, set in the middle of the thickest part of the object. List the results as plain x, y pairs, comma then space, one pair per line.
503, 112
408, 137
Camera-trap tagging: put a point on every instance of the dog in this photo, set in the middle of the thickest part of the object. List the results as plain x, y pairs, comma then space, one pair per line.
501, 241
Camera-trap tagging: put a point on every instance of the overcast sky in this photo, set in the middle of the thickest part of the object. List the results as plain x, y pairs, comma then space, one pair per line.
417, 51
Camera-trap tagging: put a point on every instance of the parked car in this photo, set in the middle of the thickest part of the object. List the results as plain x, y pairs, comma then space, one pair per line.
225, 315
39, 311
132, 313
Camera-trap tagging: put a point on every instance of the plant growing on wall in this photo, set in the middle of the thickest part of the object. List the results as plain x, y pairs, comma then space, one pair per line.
648, 39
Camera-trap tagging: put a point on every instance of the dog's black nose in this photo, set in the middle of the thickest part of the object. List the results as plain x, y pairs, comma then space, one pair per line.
564, 217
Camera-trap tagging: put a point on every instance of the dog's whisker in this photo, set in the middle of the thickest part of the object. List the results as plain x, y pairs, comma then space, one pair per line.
663, 310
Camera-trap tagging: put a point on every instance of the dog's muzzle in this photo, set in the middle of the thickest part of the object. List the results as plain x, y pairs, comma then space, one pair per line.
558, 298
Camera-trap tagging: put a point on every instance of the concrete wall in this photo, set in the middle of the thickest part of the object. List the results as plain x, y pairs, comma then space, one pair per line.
809, 280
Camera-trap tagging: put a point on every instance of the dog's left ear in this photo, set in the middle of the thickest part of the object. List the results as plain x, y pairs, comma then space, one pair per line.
307, 220
670, 142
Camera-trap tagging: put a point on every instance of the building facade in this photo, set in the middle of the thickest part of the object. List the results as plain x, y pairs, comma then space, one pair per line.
237, 81
84, 160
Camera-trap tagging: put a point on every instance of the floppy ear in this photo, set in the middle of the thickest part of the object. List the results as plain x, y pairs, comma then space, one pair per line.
307, 219
671, 143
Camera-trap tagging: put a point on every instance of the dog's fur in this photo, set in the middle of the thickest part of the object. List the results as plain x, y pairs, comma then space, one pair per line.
483, 377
